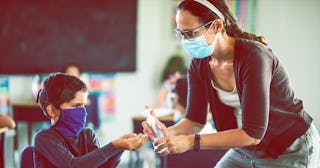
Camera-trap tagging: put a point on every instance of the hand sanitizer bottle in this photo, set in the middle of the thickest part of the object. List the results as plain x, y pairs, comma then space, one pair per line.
152, 122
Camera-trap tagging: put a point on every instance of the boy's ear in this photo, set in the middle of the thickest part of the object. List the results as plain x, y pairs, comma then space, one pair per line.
51, 111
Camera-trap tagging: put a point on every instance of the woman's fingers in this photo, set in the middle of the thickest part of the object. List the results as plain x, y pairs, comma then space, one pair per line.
162, 128
172, 144
148, 131
161, 145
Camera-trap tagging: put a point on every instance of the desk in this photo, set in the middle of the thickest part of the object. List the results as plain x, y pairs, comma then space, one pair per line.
2, 144
137, 120
29, 112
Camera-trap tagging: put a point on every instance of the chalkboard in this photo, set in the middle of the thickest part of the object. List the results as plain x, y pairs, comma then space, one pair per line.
41, 36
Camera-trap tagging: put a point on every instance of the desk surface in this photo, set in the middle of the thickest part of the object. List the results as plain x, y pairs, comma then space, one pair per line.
26, 103
161, 118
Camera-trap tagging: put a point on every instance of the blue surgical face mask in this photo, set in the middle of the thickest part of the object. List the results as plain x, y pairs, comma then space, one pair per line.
198, 47
71, 121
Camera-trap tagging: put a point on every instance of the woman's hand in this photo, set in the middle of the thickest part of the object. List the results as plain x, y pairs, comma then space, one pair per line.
148, 131
130, 141
174, 144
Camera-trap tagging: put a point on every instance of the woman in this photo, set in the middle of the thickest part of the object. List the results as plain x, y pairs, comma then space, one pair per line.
67, 143
253, 105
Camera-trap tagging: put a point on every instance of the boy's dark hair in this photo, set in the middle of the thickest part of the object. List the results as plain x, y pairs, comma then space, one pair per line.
59, 88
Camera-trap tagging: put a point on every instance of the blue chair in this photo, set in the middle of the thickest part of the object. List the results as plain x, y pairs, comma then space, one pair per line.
27, 157
93, 111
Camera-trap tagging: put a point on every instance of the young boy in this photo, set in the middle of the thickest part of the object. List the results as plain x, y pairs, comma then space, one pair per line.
67, 143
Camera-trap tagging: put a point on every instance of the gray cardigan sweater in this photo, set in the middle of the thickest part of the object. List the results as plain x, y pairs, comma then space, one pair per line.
270, 110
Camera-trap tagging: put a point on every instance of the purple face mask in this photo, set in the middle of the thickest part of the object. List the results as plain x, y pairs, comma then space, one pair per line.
71, 121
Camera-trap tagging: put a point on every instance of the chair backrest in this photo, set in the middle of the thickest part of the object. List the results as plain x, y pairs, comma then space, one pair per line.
27, 157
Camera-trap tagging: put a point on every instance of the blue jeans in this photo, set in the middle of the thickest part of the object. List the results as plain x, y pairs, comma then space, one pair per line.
304, 152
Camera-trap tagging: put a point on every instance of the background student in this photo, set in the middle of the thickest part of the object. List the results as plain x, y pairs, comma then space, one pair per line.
72, 69
174, 69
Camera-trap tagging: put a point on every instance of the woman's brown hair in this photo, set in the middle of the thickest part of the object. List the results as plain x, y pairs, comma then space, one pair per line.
230, 23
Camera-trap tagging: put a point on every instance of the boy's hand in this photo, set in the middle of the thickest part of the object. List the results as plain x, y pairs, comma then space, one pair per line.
130, 141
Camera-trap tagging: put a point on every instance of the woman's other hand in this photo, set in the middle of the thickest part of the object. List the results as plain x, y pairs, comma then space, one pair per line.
174, 144
148, 131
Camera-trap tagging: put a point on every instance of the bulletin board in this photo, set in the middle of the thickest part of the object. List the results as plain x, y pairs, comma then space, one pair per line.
245, 11
41, 36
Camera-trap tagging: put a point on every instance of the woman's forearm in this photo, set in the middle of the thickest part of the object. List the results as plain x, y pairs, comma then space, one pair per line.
185, 127
227, 139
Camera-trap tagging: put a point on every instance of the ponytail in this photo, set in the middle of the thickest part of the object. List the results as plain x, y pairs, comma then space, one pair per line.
232, 29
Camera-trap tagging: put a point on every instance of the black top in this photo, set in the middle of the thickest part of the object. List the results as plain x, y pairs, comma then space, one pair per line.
270, 110
52, 150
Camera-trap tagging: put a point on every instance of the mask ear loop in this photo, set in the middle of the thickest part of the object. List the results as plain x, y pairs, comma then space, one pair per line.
210, 27
38, 95
42, 98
